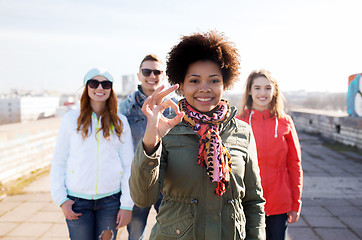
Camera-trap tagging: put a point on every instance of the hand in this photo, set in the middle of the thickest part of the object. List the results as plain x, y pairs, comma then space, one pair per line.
293, 217
157, 124
123, 218
68, 211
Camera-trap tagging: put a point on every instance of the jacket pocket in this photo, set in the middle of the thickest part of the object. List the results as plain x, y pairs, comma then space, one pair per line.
175, 219
178, 228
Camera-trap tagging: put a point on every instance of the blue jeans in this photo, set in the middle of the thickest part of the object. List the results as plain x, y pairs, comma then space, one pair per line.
97, 216
276, 226
136, 228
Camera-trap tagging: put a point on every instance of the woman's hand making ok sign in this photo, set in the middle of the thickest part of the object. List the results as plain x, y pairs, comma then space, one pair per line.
157, 124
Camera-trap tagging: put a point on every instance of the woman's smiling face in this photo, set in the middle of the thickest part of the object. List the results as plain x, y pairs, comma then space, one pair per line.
262, 92
99, 94
203, 85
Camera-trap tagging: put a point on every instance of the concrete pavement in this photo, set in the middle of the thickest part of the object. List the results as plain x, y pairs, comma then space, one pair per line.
33, 215
332, 201
332, 193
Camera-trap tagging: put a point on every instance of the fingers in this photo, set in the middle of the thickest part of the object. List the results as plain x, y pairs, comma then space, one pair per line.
157, 96
123, 218
163, 94
174, 121
68, 211
156, 99
172, 104
119, 221
179, 115
123, 222
293, 217
153, 98
146, 106
151, 101
70, 215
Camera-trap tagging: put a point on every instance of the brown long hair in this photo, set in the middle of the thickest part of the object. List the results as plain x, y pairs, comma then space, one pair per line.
277, 102
109, 118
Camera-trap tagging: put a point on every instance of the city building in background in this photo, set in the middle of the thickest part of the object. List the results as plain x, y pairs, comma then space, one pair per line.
9, 110
21, 109
128, 85
23, 106
67, 102
17, 107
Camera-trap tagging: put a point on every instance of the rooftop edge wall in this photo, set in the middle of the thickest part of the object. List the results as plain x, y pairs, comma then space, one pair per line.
344, 129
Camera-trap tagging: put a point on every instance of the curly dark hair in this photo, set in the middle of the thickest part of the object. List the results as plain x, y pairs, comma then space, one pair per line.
209, 46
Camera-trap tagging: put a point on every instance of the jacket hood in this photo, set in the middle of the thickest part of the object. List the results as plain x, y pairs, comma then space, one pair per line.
256, 113
262, 115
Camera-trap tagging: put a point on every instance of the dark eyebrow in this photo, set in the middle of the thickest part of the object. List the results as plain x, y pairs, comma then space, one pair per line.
256, 85
212, 75
215, 75
193, 75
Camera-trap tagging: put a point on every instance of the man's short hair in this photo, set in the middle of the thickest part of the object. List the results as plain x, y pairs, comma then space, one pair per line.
151, 57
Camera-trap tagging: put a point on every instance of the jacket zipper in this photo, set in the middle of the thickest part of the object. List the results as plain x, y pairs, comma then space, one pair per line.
97, 128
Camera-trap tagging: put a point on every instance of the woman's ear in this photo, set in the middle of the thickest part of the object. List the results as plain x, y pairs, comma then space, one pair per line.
181, 88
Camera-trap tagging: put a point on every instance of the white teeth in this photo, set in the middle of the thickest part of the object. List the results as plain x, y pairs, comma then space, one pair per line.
203, 99
99, 94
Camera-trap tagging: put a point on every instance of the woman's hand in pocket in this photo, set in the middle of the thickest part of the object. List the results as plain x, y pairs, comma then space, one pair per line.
68, 211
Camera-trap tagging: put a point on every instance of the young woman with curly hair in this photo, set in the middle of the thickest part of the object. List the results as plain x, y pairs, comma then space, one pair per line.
203, 160
92, 162
279, 152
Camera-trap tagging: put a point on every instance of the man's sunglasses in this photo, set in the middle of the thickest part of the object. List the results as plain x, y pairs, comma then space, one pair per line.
147, 72
95, 83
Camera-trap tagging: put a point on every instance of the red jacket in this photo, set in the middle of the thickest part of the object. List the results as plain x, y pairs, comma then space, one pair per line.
279, 158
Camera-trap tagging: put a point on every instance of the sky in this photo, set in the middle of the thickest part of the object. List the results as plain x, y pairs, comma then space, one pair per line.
310, 45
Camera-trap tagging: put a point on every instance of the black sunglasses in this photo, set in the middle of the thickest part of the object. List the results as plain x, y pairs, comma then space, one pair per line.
95, 83
147, 72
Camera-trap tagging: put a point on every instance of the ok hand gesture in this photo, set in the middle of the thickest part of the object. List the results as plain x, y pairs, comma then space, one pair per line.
157, 124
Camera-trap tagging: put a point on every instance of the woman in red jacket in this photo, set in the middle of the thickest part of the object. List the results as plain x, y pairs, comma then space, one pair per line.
279, 153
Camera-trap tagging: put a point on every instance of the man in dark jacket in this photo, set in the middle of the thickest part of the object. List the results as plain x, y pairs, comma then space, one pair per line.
151, 75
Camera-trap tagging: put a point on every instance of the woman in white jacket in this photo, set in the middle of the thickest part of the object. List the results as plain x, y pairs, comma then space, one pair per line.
91, 163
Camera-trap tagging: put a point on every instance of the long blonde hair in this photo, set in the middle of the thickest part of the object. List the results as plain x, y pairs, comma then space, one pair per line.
277, 102
109, 118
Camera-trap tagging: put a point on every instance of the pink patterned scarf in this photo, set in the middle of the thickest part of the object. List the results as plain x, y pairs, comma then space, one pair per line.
212, 154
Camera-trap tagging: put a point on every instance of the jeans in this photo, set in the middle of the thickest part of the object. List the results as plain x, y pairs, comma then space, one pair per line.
276, 227
97, 216
136, 228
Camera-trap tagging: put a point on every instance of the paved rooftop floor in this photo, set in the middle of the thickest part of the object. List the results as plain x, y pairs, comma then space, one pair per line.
332, 201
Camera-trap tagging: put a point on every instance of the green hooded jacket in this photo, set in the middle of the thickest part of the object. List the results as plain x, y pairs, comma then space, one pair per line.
190, 208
